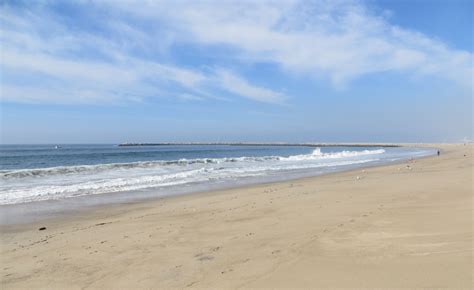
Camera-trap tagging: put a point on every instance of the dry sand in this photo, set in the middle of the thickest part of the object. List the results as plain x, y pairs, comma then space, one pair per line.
392, 227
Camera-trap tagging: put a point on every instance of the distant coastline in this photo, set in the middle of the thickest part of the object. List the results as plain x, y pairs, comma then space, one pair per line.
262, 144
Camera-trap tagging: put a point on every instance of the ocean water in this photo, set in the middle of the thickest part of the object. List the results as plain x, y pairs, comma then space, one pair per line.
31, 173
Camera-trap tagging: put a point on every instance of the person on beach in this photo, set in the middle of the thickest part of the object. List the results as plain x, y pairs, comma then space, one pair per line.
438, 152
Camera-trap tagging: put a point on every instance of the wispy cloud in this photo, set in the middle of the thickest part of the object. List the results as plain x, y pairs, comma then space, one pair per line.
48, 57
58, 68
239, 86
341, 40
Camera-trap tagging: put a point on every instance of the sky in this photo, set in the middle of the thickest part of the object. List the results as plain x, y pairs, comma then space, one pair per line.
117, 71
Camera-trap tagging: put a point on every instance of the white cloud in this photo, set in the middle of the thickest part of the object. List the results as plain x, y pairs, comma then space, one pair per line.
45, 60
239, 86
39, 68
341, 40
189, 97
67, 81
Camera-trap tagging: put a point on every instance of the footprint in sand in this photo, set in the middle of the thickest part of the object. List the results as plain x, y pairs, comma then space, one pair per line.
229, 270
192, 283
205, 258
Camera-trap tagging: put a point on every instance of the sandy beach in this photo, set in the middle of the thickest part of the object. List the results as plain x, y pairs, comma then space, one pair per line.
405, 225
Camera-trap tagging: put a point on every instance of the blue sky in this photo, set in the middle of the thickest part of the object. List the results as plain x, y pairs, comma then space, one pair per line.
149, 71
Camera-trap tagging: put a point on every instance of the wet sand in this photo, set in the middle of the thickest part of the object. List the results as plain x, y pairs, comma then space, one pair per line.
403, 225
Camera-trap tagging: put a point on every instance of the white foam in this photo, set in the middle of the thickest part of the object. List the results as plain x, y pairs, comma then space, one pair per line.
62, 170
317, 154
19, 186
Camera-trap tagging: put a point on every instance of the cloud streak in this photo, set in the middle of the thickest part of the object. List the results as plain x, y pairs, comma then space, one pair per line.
56, 69
340, 40
123, 55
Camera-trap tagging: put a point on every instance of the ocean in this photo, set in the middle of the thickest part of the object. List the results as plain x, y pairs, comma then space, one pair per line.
34, 173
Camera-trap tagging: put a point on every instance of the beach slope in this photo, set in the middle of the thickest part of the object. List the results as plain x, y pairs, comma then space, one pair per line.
403, 225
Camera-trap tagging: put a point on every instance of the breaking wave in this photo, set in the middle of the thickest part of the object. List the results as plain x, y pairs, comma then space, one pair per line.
317, 154
65, 170
101, 186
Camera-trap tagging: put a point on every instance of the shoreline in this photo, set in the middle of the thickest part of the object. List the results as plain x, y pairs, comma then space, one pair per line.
331, 230
81, 205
